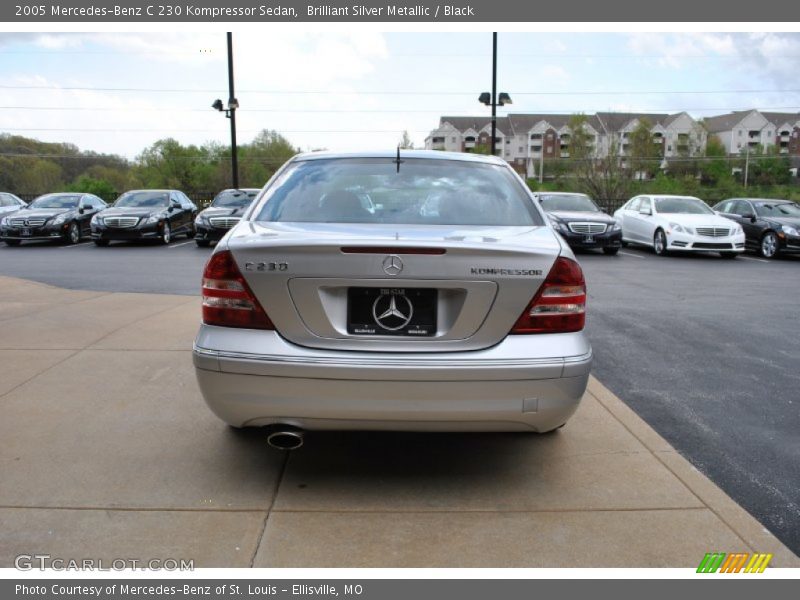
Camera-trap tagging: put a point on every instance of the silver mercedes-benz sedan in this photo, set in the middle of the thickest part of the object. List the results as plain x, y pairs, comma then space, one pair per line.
404, 291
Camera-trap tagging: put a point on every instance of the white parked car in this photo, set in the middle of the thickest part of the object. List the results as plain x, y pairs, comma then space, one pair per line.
678, 223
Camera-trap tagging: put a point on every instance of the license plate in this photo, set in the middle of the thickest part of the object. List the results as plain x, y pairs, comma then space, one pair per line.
392, 311
588, 239
25, 232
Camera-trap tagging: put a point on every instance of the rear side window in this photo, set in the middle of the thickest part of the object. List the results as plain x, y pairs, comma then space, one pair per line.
417, 192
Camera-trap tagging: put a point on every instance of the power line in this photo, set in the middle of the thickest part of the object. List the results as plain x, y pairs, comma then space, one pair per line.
398, 92
162, 130
375, 111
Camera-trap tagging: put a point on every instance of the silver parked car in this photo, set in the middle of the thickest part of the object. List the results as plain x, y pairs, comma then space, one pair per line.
451, 305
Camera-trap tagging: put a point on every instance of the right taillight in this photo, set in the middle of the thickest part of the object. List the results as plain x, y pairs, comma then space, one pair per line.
227, 299
560, 304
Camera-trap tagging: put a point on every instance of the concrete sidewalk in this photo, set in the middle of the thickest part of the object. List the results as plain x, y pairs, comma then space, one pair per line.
108, 451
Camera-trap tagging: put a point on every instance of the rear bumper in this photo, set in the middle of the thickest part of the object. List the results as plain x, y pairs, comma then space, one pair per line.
498, 389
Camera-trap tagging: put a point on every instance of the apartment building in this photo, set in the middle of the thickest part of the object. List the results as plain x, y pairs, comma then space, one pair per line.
526, 141
750, 129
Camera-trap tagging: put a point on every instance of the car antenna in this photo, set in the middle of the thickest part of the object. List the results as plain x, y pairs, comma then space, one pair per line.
397, 160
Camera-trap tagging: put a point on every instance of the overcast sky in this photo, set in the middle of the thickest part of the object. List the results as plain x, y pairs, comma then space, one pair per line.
120, 92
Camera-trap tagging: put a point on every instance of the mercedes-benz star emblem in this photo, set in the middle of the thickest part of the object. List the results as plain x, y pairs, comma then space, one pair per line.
392, 265
392, 312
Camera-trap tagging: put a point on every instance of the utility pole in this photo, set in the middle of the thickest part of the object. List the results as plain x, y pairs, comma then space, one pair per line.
541, 162
746, 164
492, 99
232, 106
494, 92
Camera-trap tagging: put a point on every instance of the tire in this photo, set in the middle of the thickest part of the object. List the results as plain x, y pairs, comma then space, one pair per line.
624, 244
101, 243
73, 234
610, 251
202, 243
769, 246
166, 234
13, 243
191, 233
729, 255
660, 243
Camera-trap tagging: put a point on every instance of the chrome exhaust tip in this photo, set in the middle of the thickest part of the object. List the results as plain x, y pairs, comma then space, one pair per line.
286, 439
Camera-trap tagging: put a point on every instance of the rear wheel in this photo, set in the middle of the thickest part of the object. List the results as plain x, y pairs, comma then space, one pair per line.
769, 245
610, 251
73, 234
660, 243
728, 255
101, 243
166, 233
12, 242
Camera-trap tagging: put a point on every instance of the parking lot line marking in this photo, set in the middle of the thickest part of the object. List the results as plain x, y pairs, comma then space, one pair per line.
76, 245
181, 244
633, 255
751, 258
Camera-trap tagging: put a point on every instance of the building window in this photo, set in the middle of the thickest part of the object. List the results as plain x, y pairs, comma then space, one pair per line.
740, 133
453, 140
521, 149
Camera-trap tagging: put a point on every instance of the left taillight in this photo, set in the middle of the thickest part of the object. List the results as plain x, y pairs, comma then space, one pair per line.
227, 299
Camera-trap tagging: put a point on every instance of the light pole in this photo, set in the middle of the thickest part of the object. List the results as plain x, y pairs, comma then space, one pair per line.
230, 112
492, 99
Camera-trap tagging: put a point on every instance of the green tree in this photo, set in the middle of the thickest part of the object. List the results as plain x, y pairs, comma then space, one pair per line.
259, 159
39, 176
89, 185
643, 154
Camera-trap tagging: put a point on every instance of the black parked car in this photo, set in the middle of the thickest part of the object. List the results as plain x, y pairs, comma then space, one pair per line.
223, 213
580, 221
10, 203
61, 217
146, 215
770, 226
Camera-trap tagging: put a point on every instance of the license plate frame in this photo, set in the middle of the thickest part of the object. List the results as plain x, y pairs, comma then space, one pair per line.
392, 311
589, 239
25, 232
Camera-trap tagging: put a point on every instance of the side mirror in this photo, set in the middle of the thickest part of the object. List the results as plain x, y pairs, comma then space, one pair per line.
750, 216
645, 210
81, 209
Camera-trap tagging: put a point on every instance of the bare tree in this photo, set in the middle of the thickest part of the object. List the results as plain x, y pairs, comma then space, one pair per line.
405, 142
601, 174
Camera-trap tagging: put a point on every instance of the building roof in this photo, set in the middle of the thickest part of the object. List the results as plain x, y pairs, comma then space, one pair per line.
781, 118
725, 122
616, 121
476, 123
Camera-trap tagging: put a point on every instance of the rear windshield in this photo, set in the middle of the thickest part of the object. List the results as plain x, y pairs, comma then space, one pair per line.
415, 192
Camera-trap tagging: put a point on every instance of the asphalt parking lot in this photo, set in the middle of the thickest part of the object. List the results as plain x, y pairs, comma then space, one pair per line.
704, 350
